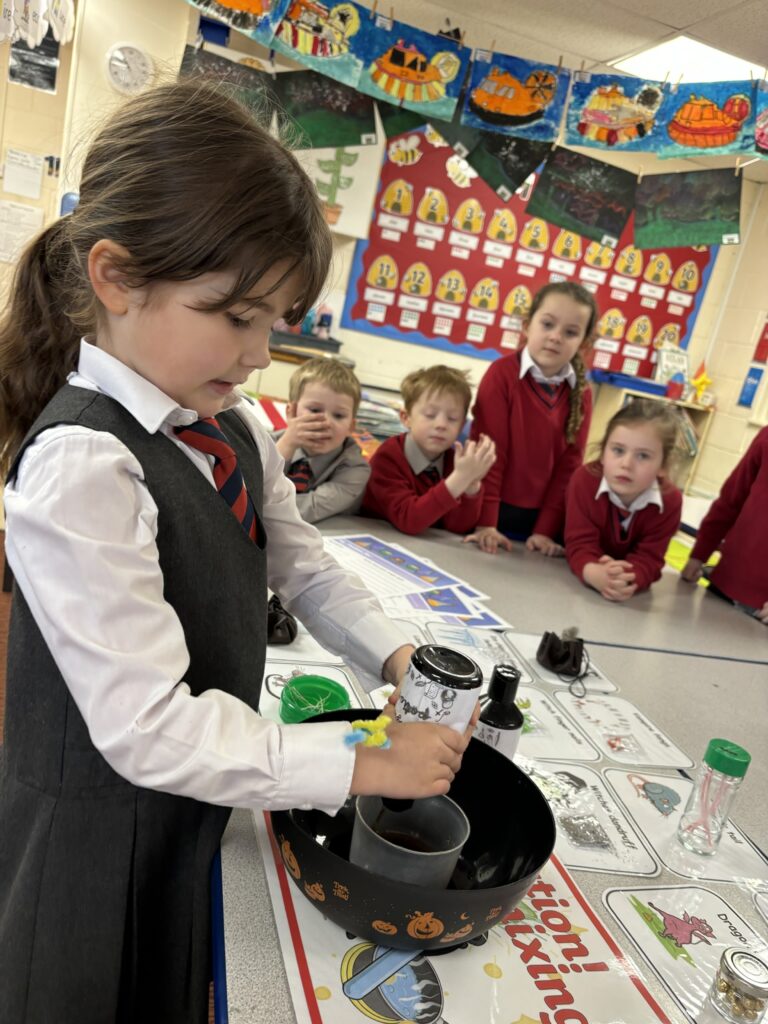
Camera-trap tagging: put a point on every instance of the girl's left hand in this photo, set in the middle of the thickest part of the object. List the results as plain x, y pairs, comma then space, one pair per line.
545, 545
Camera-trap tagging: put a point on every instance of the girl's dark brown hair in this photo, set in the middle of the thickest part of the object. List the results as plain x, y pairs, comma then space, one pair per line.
186, 180
664, 418
583, 297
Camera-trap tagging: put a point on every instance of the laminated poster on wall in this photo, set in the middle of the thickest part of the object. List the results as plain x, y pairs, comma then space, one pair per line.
656, 803
451, 264
681, 932
538, 964
37, 67
594, 832
621, 732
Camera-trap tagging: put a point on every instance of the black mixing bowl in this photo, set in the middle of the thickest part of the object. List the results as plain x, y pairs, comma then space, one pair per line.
512, 835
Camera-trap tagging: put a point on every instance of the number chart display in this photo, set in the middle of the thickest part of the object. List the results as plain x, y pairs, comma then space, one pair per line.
450, 264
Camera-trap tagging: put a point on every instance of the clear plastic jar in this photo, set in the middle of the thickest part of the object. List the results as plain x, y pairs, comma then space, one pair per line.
717, 783
740, 989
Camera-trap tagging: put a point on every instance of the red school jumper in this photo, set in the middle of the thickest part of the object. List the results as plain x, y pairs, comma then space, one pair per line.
533, 460
738, 523
412, 503
593, 527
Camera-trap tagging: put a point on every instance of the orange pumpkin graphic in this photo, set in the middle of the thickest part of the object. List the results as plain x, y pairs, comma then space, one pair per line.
315, 891
459, 933
425, 925
289, 859
385, 927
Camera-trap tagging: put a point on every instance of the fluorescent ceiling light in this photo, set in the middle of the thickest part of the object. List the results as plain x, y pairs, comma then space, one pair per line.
695, 61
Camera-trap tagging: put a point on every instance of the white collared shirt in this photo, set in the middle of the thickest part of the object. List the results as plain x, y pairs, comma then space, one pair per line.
416, 458
527, 365
81, 541
650, 496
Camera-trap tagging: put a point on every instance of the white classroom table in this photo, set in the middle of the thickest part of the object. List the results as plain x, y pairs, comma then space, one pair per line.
690, 696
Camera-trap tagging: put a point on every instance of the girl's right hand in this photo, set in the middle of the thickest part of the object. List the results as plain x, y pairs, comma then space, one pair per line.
692, 570
489, 539
422, 761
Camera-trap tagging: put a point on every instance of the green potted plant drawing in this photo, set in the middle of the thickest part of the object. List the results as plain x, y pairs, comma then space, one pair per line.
337, 181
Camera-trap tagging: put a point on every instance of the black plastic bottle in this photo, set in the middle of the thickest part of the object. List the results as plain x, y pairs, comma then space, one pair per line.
501, 720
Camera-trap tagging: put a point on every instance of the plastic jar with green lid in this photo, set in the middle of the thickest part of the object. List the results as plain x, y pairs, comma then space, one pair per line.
306, 696
714, 790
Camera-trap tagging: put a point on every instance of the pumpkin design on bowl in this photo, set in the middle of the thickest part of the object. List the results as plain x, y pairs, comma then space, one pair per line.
492, 913
289, 858
459, 934
700, 123
425, 925
315, 891
384, 927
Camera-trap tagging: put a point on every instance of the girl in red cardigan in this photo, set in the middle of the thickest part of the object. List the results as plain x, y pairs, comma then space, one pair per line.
536, 406
737, 524
621, 511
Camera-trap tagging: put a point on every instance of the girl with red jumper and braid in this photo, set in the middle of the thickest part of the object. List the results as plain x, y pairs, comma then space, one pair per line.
536, 406
621, 511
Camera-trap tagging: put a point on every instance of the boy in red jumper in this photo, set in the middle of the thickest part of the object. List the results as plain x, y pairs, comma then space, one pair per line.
737, 523
426, 477
621, 512
536, 405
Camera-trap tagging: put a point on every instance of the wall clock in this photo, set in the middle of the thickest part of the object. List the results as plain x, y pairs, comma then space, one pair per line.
129, 68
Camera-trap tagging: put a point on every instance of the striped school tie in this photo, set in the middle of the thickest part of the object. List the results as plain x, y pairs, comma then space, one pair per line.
300, 472
432, 475
206, 436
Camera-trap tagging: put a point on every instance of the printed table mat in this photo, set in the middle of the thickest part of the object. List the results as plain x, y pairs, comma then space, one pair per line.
681, 931
551, 960
548, 733
656, 802
621, 732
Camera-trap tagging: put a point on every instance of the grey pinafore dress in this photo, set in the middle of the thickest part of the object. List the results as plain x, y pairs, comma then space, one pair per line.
104, 886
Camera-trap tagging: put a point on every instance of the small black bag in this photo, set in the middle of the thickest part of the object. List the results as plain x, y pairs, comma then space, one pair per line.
564, 657
281, 625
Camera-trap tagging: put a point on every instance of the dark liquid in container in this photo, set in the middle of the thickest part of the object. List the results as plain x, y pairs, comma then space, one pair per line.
407, 840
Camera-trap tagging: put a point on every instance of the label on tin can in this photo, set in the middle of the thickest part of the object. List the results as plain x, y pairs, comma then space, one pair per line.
440, 686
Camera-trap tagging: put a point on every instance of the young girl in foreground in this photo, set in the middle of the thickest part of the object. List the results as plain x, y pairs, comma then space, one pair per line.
536, 406
138, 631
622, 511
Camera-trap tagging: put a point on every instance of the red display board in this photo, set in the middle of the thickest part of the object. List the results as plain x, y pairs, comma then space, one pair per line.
450, 264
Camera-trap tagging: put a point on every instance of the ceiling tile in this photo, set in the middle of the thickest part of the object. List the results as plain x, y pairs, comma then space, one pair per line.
743, 31
681, 13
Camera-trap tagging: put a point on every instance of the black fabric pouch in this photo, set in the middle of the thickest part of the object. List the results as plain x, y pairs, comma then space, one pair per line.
281, 625
563, 657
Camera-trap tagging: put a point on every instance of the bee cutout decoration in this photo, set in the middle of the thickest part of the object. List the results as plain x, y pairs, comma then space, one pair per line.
567, 246
612, 324
630, 261
433, 207
459, 171
535, 235
485, 294
469, 217
383, 273
405, 151
599, 256
640, 330
417, 280
451, 287
659, 269
518, 301
398, 197
503, 226
686, 277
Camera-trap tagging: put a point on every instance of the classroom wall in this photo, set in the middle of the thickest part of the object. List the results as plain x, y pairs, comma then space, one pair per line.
734, 306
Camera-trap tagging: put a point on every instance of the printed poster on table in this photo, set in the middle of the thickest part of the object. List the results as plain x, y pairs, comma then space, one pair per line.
594, 832
550, 959
452, 265
656, 802
548, 734
681, 932
614, 113
621, 732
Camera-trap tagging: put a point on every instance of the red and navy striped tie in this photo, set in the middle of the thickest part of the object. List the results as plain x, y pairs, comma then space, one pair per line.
300, 472
432, 475
206, 436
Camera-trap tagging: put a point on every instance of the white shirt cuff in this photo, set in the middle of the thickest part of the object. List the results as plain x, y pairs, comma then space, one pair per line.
317, 767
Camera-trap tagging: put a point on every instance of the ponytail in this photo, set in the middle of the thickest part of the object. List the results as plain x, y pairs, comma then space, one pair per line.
38, 341
576, 407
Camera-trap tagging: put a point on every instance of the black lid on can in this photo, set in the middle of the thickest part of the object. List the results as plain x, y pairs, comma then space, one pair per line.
504, 682
443, 665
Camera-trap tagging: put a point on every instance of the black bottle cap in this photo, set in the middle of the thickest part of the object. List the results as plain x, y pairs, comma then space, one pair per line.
504, 682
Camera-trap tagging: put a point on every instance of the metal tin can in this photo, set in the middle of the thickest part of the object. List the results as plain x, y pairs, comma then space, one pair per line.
739, 992
441, 685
